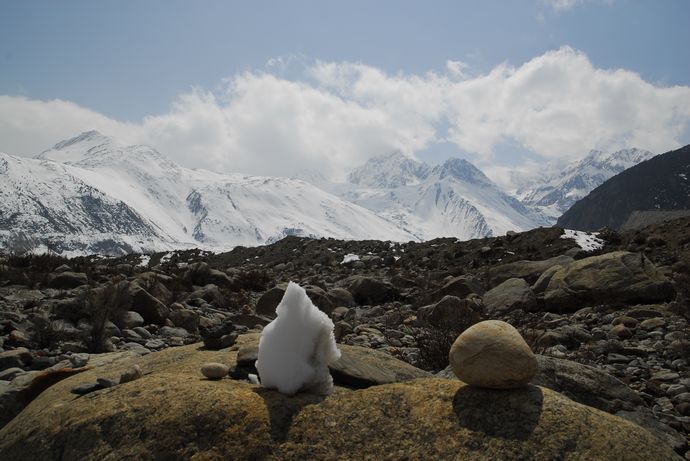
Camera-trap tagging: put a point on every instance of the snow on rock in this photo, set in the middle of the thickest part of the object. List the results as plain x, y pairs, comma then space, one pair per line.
348, 258
144, 261
588, 241
296, 348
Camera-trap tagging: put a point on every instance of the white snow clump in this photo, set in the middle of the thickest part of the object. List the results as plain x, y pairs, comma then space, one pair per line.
296, 348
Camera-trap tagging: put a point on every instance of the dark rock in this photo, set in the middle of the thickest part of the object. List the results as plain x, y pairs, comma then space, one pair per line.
150, 308
371, 291
184, 318
219, 336
143, 332
107, 382
642, 313
267, 303
86, 388
71, 309
621, 331
173, 331
510, 295
10, 373
18, 338
461, 287
452, 313
248, 320
15, 358
625, 320
129, 320
340, 297
67, 280
200, 273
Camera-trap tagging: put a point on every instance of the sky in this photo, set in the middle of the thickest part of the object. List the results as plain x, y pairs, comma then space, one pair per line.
274, 88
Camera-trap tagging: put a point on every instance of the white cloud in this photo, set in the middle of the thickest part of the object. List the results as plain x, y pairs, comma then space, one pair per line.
565, 5
28, 127
556, 106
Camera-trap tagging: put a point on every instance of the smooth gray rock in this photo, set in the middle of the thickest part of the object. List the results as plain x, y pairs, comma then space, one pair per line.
510, 295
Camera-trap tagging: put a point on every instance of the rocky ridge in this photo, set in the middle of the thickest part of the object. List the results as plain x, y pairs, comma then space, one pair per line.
623, 354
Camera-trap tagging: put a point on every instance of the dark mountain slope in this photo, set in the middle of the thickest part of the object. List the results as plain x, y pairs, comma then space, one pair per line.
661, 183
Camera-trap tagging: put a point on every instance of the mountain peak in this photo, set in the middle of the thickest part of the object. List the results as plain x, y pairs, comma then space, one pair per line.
388, 171
91, 149
92, 137
462, 170
618, 160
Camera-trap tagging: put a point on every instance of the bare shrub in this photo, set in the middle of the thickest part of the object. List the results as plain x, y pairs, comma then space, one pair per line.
434, 346
104, 303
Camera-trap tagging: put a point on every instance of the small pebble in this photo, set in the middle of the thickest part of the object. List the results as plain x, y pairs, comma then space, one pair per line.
132, 373
79, 360
213, 370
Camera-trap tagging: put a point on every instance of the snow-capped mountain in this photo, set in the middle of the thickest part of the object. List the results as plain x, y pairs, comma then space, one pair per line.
558, 188
44, 203
452, 199
661, 184
151, 203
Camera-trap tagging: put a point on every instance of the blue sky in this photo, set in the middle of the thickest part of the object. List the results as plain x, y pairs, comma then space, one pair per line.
134, 68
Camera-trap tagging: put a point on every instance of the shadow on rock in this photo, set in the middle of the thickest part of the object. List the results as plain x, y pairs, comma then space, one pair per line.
283, 408
508, 414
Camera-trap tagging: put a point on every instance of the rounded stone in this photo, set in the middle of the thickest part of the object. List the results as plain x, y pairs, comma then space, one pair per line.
621, 331
214, 370
494, 355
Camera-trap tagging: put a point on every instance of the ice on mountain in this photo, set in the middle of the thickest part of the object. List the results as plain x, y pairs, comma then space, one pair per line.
296, 348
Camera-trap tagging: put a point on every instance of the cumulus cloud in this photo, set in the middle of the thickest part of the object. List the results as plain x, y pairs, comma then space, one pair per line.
28, 127
334, 117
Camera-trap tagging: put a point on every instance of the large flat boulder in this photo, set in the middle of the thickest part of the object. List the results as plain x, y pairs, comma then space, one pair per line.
173, 412
618, 278
525, 269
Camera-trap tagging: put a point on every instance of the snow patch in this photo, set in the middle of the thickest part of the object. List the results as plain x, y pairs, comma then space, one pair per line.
588, 241
350, 257
296, 348
144, 261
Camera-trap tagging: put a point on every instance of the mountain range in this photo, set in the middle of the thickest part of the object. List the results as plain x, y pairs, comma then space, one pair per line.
95, 194
558, 187
660, 183
92, 193
450, 199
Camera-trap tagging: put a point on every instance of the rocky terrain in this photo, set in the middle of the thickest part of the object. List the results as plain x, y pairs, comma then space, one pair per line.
609, 326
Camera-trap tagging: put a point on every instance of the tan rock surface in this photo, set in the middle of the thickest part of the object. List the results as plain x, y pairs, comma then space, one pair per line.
492, 354
172, 412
